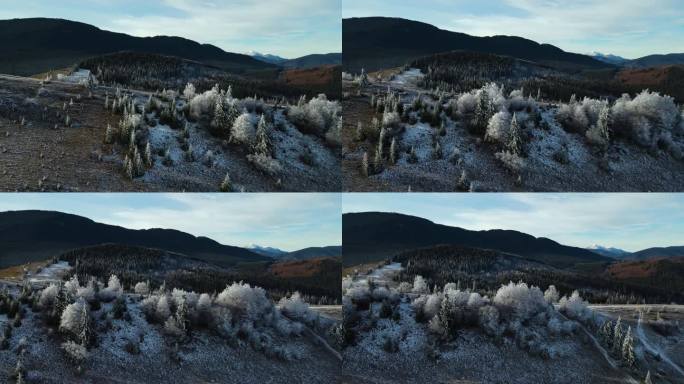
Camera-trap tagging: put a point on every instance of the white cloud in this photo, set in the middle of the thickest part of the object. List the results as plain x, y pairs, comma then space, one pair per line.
286, 27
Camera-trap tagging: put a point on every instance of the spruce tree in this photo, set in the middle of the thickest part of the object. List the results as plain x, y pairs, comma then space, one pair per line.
515, 140
262, 145
628, 348
393, 151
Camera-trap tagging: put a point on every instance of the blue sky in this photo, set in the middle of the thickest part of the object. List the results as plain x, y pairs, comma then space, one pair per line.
630, 28
289, 221
629, 221
289, 28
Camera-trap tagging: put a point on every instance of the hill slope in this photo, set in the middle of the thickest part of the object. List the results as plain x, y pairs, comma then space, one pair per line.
311, 252
378, 42
312, 61
37, 45
657, 252
372, 236
36, 235
656, 60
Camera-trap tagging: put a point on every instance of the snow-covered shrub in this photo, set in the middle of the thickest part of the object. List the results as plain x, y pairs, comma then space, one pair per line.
204, 104
317, 116
518, 102
296, 308
520, 301
162, 309
390, 119
142, 288
643, 118
511, 161
114, 290
334, 136
252, 105
48, 296
498, 127
380, 293
466, 103
87, 293
265, 163
75, 320
243, 130
575, 307
244, 300
172, 327
77, 353
489, 320
420, 285
428, 305
405, 287
189, 91
72, 286
551, 294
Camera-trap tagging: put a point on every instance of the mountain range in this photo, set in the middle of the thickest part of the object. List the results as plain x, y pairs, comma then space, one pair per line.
37, 45
302, 254
642, 62
381, 42
38, 235
373, 236
304, 62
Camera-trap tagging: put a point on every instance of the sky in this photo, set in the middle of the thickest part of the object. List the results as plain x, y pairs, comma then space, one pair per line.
628, 28
632, 221
288, 28
289, 221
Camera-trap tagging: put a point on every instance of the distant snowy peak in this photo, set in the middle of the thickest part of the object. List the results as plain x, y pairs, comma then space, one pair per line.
608, 251
267, 58
608, 58
267, 251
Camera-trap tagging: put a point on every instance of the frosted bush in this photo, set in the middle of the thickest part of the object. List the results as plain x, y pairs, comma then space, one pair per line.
296, 308
48, 296
390, 119
489, 320
432, 304
317, 116
243, 130
477, 301
525, 302
511, 161
495, 96
72, 286
74, 318
172, 328
87, 293
247, 301
518, 102
163, 308
641, 118
551, 294
347, 283
142, 288
498, 127
114, 290
265, 163
420, 285
149, 306
466, 103
204, 104
575, 307
75, 352
251, 104
189, 91
405, 287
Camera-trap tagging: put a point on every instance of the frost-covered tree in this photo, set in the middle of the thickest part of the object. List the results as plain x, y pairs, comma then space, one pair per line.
189, 91
551, 294
628, 348
482, 112
648, 380
226, 185
243, 129
263, 145
75, 320
393, 151
114, 290
515, 144
606, 333
110, 134
575, 307
618, 337
420, 285
149, 159
142, 288
365, 166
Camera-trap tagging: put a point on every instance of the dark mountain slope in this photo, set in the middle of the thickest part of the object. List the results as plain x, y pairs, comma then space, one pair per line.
380, 42
656, 60
35, 235
311, 252
657, 252
312, 61
37, 45
371, 236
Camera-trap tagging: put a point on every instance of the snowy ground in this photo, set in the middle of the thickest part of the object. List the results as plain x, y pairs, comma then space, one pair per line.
50, 274
626, 167
474, 357
206, 358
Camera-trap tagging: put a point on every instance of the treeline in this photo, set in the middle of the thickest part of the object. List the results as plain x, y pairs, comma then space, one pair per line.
486, 271
152, 73
137, 264
463, 71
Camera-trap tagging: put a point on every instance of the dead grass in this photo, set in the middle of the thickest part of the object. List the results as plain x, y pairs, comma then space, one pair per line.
16, 273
